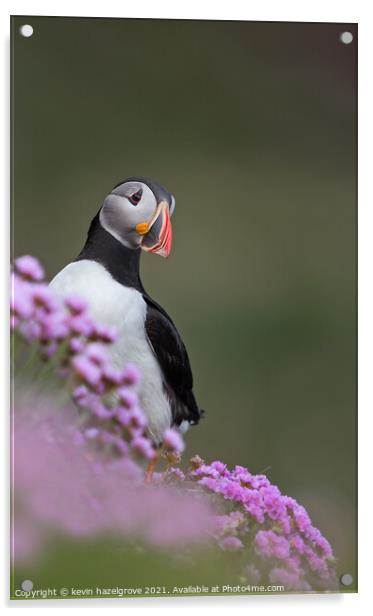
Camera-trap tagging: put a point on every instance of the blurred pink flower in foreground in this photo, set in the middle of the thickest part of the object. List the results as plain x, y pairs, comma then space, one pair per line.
60, 485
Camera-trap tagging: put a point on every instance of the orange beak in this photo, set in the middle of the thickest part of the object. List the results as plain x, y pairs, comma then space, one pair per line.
158, 232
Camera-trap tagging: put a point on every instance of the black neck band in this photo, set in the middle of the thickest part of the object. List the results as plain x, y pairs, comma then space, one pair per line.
123, 263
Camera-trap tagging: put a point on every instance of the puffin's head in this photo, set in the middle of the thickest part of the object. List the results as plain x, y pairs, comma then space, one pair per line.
137, 213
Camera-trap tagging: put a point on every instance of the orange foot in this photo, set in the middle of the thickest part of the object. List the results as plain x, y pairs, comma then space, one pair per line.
150, 470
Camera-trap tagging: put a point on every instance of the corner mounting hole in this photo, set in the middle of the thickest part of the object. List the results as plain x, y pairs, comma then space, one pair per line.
26, 30
346, 37
27, 585
346, 579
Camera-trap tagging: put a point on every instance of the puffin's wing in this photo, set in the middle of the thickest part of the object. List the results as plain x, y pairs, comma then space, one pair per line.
173, 359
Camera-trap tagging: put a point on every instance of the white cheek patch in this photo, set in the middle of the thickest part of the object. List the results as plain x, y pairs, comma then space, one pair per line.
114, 220
172, 206
119, 217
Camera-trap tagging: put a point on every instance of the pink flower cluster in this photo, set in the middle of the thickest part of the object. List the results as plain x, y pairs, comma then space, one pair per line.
66, 336
61, 486
274, 531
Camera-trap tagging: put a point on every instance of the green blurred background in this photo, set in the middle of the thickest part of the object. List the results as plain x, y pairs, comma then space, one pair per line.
252, 126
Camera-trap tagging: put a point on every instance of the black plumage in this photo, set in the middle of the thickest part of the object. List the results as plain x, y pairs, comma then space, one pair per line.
173, 358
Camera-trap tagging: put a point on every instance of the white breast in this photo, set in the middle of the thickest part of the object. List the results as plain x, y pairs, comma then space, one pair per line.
124, 309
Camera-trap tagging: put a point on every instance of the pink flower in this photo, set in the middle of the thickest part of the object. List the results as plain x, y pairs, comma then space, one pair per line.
222, 523
87, 371
76, 345
96, 353
253, 503
210, 483
274, 504
259, 481
233, 491
76, 304
98, 409
175, 473
268, 543
301, 517
173, 441
29, 268
243, 474
111, 376
297, 542
80, 394
228, 524
103, 333
20, 301
127, 397
53, 326
43, 297
324, 546
131, 375
279, 575
315, 562
30, 330
219, 467
143, 447
137, 418
231, 544
80, 325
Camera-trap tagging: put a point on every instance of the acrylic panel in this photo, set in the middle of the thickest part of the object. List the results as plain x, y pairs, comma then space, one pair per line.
183, 307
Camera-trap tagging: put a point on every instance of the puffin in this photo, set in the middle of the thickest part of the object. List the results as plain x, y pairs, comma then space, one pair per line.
135, 217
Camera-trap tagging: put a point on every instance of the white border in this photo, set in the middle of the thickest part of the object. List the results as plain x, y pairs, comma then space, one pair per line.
197, 9
265, 10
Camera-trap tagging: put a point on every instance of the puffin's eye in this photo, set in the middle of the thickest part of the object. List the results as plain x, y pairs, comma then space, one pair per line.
135, 198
